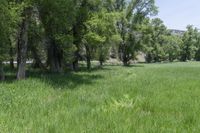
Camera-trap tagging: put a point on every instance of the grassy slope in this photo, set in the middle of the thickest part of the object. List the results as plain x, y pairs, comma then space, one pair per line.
150, 98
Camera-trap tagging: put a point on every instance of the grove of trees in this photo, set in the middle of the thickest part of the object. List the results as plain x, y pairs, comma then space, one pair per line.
56, 34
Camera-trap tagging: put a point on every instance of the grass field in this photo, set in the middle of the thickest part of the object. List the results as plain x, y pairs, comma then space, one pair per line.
154, 98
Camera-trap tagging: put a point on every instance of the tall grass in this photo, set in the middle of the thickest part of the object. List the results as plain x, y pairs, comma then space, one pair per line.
152, 98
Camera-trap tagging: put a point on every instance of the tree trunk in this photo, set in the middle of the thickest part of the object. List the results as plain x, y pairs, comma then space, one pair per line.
54, 58
78, 31
2, 76
22, 45
11, 53
88, 57
101, 63
75, 65
88, 63
37, 61
148, 58
125, 60
12, 66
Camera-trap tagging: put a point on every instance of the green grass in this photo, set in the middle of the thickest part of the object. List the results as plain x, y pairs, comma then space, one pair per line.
152, 98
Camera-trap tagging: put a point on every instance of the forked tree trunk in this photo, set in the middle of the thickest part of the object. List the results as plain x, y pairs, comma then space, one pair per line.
2, 76
22, 45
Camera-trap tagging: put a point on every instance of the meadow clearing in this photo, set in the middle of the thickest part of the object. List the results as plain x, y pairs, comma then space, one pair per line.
143, 98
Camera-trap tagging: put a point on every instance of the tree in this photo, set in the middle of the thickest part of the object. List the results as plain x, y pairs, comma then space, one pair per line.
171, 46
79, 28
197, 53
15, 10
155, 36
58, 17
188, 46
5, 24
101, 28
36, 48
23, 43
131, 16
20, 11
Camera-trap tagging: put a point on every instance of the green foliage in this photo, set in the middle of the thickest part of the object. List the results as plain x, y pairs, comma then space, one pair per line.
5, 22
132, 15
197, 44
100, 27
189, 44
36, 36
9, 16
154, 39
172, 47
65, 42
58, 17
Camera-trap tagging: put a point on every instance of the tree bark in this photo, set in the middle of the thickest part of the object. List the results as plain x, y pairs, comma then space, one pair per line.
77, 38
75, 64
125, 59
54, 58
37, 61
101, 63
78, 31
22, 45
2, 75
88, 63
88, 57
12, 66
11, 53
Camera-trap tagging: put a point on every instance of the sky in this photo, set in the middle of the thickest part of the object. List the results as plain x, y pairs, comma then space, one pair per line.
177, 14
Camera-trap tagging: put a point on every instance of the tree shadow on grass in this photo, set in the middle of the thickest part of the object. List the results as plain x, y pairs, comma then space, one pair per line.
65, 80
128, 66
94, 69
135, 65
10, 75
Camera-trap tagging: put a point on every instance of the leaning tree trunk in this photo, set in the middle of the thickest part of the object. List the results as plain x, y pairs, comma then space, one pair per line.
54, 58
22, 45
2, 76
